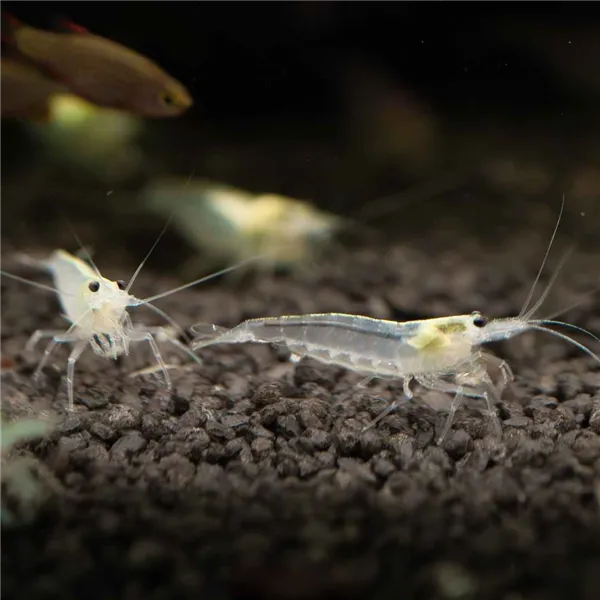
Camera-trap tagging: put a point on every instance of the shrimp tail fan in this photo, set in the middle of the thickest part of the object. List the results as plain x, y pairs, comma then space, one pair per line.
206, 334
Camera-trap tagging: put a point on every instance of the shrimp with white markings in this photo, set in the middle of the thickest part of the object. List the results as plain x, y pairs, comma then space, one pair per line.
96, 308
427, 351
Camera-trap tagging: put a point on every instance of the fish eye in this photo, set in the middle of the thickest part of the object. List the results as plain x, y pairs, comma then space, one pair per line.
479, 320
94, 286
121, 285
167, 98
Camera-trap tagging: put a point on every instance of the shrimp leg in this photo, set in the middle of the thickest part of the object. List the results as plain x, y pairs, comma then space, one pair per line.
73, 358
505, 370
162, 335
40, 334
62, 338
145, 336
364, 383
408, 395
456, 401
459, 391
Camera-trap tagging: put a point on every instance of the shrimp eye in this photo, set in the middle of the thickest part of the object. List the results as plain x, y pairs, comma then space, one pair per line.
121, 284
94, 286
479, 320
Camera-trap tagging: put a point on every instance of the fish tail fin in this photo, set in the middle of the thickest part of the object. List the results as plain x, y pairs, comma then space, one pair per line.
207, 334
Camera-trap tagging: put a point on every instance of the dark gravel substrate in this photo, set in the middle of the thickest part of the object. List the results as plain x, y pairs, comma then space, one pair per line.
254, 480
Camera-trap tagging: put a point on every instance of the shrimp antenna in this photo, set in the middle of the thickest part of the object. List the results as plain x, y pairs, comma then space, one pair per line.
571, 306
568, 326
417, 193
41, 286
164, 229
176, 326
141, 265
197, 281
83, 249
542, 298
539, 274
167, 318
568, 339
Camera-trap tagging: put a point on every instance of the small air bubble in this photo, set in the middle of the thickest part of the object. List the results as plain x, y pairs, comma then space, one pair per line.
582, 214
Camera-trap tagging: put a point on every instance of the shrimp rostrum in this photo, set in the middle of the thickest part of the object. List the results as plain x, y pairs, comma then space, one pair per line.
443, 354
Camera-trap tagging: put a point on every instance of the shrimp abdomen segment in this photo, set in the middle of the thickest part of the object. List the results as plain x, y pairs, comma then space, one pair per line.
359, 343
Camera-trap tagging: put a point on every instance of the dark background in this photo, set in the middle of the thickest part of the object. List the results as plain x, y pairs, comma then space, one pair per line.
289, 98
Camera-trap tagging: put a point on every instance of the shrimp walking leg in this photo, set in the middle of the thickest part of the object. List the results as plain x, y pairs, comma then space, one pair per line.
39, 335
60, 338
505, 371
73, 358
162, 335
408, 395
507, 374
145, 336
364, 383
488, 393
458, 396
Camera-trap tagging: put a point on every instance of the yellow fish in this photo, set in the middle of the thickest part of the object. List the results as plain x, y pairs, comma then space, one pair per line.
99, 70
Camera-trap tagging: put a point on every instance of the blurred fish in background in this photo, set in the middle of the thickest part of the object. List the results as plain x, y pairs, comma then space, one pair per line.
97, 69
26, 92
82, 99
384, 116
230, 225
387, 120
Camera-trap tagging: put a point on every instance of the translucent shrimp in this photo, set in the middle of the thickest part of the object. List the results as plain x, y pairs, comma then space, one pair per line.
429, 351
228, 224
96, 308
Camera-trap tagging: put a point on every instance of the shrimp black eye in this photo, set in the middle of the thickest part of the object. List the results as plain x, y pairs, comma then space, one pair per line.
94, 286
479, 320
121, 284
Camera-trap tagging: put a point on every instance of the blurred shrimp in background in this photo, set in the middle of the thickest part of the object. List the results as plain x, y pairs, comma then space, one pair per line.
89, 139
230, 225
320, 107
82, 99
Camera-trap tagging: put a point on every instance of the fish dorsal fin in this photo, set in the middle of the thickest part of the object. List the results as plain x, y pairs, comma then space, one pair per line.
10, 24
67, 26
